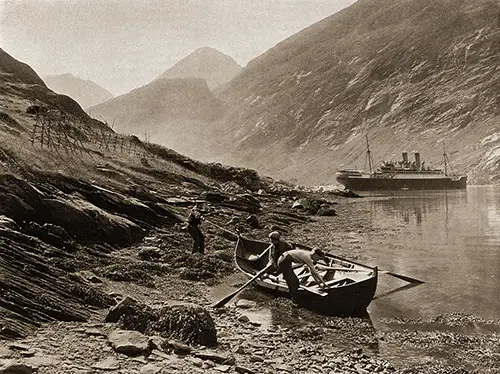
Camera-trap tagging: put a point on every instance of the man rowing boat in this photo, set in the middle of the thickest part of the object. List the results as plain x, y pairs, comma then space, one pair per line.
282, 255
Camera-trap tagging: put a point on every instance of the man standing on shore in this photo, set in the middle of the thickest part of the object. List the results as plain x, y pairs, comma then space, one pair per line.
194, 222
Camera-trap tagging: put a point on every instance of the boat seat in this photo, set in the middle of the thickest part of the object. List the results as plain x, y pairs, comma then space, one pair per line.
340, 282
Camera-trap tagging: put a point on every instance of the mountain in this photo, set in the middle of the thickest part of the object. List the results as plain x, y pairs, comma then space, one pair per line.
20, 84
409, 74
86, 92
172, 112
207, 63
70, 196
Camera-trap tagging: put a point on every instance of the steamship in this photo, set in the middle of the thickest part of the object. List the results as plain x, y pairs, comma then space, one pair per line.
402, 175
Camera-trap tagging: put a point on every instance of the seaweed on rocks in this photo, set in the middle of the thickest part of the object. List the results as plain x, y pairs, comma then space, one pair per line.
190, 324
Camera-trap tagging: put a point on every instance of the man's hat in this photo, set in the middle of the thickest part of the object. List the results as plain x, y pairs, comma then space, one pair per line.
274, 235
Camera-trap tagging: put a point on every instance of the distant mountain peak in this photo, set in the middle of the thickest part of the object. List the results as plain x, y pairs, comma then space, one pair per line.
206, 63
85, 92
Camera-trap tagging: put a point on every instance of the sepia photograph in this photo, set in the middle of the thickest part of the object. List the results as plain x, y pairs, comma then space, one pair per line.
250, 186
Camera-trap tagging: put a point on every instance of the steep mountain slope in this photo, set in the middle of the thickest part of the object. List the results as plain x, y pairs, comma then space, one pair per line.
72, 192
173, 112
407, 73
86, 92
207, 63
17, 79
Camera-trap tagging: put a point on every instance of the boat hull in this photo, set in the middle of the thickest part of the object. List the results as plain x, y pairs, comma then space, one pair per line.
391, 184
351, 299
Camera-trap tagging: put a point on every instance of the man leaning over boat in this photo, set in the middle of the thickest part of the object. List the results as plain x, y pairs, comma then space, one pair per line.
282, 255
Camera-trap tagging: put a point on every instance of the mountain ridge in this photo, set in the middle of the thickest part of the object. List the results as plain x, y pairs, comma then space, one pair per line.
86, 92
406, 73
207, 63
173, 112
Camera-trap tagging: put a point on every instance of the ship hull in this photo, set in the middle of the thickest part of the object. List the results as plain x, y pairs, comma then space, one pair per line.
370, 183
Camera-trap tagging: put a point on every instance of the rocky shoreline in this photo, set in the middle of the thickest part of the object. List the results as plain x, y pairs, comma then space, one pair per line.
58, 288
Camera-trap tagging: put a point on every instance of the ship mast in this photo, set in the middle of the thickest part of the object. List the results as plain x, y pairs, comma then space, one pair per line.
368, 155
445, 160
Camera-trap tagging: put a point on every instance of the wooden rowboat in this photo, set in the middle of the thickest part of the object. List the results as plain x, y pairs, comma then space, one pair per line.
350, 285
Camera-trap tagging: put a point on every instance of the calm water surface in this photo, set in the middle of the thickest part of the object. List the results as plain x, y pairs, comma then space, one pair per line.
451, 240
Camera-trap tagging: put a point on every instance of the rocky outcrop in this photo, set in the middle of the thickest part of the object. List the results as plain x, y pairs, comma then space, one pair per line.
33, 291
86, 212
190, 324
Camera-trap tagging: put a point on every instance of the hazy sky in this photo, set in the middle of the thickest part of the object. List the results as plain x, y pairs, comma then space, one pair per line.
124, 44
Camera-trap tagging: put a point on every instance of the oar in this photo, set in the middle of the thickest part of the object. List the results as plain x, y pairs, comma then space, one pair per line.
399, 289
225, 300
403, 277
234, 234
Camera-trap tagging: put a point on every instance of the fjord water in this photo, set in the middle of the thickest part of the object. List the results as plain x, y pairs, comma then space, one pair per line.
449, 239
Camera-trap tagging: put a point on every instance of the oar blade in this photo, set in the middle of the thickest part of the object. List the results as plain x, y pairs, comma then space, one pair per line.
224, 301
403, 277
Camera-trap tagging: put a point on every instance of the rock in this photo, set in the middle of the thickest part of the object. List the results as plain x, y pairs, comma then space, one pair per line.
159, 355
131, 315
238, 349
12, 367
191, 324
195, 361
157, 342
244, 370
286, 368
124, 306
109, 363
224, 255
150, 369
5, 352
223, 368
243, 318
130, 343
178, 347
7, 222
40, 360
255, 358
19, 347
149, 253
303, 204
15, 208
94, 332
215, 357
245, 304
214, 197
326, 212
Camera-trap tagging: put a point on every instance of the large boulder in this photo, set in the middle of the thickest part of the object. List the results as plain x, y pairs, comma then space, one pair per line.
12, 206
88, 222
132, 315
191, 324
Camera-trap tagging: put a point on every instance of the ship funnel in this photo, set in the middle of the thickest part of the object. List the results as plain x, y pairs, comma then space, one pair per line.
405, 157
417, 159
